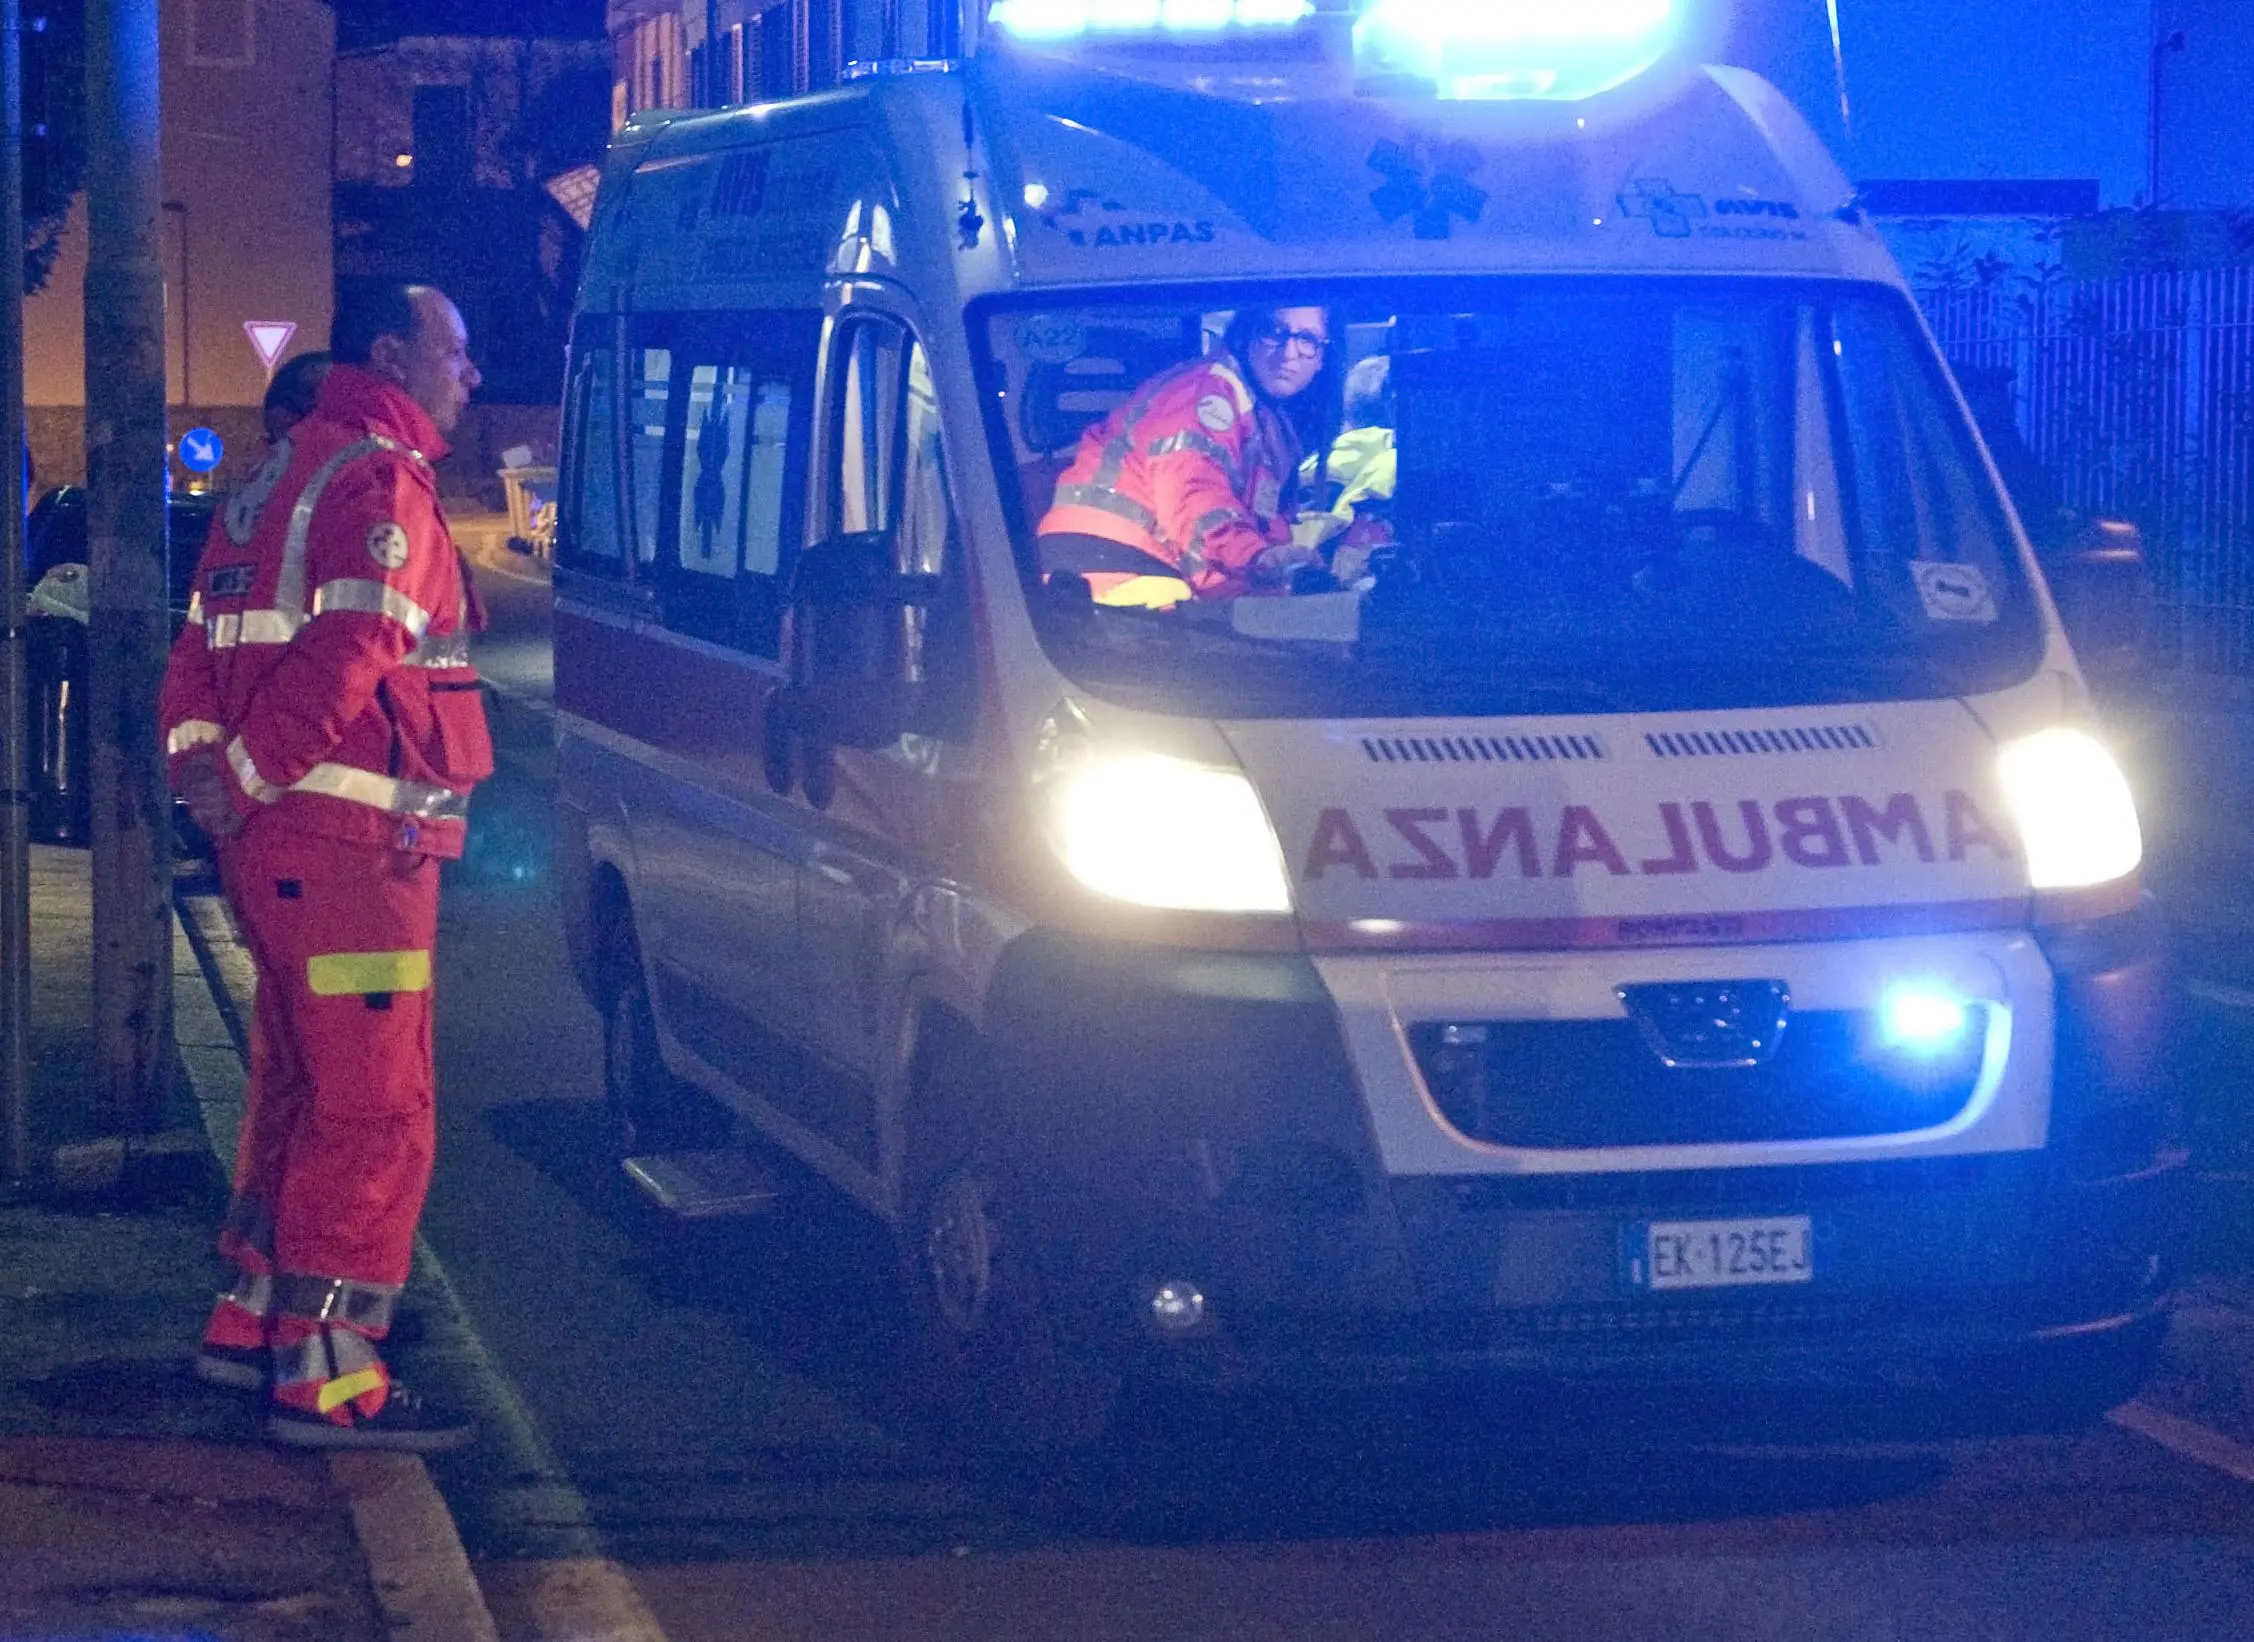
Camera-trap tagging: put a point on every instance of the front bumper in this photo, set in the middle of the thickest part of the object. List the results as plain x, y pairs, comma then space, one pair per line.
1196, 1117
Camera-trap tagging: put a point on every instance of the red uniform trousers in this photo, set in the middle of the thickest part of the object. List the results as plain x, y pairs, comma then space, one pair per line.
339, 1131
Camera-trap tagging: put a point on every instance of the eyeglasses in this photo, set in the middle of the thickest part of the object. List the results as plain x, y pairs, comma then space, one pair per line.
1310, 343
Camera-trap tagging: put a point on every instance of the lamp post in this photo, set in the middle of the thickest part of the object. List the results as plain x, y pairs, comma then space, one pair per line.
2162, 49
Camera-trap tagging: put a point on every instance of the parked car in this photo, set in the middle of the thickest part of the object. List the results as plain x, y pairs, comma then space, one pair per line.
58, 754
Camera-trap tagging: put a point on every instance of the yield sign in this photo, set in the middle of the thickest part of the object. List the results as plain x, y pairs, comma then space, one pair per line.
269, 337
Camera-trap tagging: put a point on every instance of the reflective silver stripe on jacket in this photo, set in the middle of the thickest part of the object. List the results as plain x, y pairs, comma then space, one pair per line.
446, 650
249, 627
289, 587
372, 598
383, 792
1104, 500
1205, 445
246, 772
192, 732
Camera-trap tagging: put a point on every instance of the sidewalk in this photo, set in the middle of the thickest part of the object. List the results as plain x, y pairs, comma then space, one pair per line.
135, 1502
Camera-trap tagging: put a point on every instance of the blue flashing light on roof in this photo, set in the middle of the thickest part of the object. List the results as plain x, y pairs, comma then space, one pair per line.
1055, 20
1514, 50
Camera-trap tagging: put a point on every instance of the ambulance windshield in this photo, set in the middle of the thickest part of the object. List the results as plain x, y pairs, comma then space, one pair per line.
1552, 495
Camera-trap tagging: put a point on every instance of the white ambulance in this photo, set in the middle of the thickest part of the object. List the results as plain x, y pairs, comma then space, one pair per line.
1664, 916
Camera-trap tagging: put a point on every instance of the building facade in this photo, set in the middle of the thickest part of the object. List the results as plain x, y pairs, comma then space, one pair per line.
713, 53
246, 226
444, 146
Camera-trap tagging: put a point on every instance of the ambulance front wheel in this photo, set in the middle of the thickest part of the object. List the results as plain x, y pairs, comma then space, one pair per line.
647, 1109
971, 1266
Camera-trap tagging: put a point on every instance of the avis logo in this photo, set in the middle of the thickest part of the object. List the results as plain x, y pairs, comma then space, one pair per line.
1428, 183
1777, 210
1091, 222
1671, 215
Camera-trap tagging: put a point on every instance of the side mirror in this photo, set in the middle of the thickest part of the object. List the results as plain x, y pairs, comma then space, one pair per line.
2103, 587
857, 673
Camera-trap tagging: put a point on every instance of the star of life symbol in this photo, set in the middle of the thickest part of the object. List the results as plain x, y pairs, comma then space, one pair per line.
1671, 215
1428, 183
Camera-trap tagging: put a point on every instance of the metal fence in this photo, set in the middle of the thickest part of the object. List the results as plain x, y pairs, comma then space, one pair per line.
2137, 396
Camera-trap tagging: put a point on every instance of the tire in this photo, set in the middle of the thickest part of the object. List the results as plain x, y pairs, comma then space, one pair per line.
999, 1377
647, 1108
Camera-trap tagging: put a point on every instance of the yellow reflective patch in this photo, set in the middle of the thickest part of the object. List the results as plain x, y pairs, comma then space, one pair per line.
343, 974
1146, 593
341, 1390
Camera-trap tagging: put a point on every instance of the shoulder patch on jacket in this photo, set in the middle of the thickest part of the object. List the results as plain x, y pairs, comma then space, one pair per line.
1216, 413
387, 545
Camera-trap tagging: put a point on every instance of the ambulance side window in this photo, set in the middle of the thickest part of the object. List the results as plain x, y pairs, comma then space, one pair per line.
865, 481
649, 391
889, 474
739, 422
588, 535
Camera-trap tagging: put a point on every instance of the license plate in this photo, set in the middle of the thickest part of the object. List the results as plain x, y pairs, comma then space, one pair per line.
1715, 1254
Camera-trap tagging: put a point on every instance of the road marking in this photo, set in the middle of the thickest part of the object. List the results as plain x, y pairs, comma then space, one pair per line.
2230, 997
2187, 1439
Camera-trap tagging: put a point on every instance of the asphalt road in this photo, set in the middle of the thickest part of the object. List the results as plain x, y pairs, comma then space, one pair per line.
720, 1413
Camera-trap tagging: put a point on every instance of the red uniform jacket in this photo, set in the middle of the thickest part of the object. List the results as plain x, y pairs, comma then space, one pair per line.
326, 651
1192, 471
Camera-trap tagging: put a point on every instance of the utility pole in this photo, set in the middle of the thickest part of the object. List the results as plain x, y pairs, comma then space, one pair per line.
130, 630
15, 799
2163, 47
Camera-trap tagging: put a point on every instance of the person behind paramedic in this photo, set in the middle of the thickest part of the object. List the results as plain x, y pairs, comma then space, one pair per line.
1348, 519
1188, 488
290, 397
324, 727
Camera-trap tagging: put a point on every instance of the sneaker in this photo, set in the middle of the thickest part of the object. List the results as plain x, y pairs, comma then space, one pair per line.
405, 1423
232, 1368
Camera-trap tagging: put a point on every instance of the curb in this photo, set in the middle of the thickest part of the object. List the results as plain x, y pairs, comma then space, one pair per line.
416, 1564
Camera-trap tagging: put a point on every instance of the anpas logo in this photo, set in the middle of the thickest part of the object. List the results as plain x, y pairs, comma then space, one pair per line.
1093, 223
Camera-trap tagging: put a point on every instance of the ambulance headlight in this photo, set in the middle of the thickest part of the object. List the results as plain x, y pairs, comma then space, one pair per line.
1488, 50
1163, 832
2075, 815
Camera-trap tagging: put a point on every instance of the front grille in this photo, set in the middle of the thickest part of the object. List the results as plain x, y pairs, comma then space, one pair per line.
1481, 749
1812, 738
1575, 1085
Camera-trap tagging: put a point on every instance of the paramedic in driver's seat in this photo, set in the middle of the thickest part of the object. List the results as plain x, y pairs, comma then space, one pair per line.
1187, 489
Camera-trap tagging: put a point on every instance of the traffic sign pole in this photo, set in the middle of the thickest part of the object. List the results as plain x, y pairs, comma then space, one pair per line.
15, 800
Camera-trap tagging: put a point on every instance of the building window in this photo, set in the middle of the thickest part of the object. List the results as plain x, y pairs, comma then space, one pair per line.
222, 33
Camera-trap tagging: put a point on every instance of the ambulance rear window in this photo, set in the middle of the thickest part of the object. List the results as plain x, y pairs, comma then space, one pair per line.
1531, 494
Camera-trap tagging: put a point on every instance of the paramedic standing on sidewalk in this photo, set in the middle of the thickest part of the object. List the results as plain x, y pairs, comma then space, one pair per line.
324, 727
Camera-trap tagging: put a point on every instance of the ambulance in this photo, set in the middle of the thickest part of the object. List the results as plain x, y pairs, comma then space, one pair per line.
1664, 916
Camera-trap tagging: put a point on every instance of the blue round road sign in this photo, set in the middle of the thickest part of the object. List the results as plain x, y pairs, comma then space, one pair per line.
200, 450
